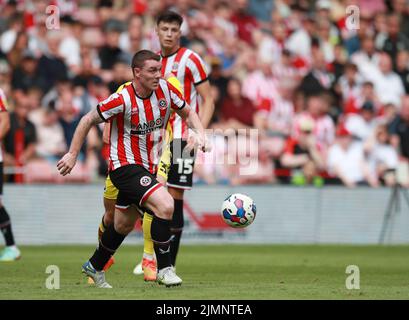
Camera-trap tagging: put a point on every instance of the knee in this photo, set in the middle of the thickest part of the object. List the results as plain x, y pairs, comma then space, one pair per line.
109, 217
123, 227
165, 209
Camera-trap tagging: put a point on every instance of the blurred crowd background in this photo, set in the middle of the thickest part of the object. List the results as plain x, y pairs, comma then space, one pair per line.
331, 104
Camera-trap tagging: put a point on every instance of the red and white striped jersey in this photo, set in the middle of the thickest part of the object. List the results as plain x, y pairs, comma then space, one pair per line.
3, 108
190, 70
138, 125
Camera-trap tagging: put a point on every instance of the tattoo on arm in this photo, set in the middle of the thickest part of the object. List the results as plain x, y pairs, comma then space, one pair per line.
94, 117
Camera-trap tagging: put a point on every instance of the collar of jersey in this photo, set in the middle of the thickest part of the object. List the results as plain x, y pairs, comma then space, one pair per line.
169, 55
148, 97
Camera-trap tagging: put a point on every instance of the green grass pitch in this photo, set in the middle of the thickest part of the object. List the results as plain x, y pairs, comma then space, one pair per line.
219, 272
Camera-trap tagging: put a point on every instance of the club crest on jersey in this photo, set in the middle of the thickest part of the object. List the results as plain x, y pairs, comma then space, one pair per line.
162, 104
145, 181
175, 67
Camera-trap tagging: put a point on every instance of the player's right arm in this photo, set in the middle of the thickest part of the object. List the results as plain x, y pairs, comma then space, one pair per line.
67, 162
103, 112
4, 116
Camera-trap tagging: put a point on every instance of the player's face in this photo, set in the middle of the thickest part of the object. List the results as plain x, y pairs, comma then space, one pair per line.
169, 35
150, 74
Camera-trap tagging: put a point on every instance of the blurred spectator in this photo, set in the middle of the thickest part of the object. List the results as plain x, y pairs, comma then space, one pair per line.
402, 68
318, 80
270, 47
261, 9
69, 48
362, 125
133, 39
9, 36
395, 39
400, 129
349, 88
51, 144
26, 75
20, 141
121, 74
367, 94
401, 8
367, 58
244, 22
15, 55
218, 80
382, 156
346, 161
300, 41
323, 128
253, 164
388, 85
51, 67
110, 53
260, 84
236, 112
222, 19
274, 119
303, 157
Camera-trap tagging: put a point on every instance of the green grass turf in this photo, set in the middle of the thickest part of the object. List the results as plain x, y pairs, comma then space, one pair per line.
219, 272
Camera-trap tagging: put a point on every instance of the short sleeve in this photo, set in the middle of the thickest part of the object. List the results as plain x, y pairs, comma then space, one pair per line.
197, 68
3, 101
176, 97
111, 106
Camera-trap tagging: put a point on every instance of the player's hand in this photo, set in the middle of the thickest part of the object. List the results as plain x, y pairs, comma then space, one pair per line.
204, 144
196, 140
67, 163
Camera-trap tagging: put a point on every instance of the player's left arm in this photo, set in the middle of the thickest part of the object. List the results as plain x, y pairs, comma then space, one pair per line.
207, 108
193, 121
67, 162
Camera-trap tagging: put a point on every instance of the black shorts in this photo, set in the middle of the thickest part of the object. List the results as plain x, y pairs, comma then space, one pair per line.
135, 185
1, 178
181, 168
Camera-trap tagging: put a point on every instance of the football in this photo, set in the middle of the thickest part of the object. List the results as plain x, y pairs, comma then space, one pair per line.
238, 210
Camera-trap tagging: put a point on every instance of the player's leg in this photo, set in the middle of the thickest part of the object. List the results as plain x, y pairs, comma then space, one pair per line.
10, 252
161, 203
180, 178
106, 221
110, 195
177, 222
147, 266
111, 239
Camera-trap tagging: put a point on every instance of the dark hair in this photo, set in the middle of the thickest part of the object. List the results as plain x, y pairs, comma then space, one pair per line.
141, 56
169, 16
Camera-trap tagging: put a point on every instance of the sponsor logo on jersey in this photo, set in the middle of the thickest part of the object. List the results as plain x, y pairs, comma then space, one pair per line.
147, 127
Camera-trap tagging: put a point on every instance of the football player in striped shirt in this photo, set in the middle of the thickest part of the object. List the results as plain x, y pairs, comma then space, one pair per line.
148, 266
138, 115
10, 252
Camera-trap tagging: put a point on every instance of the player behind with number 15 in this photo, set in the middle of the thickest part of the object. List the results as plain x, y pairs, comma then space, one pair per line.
188, 67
